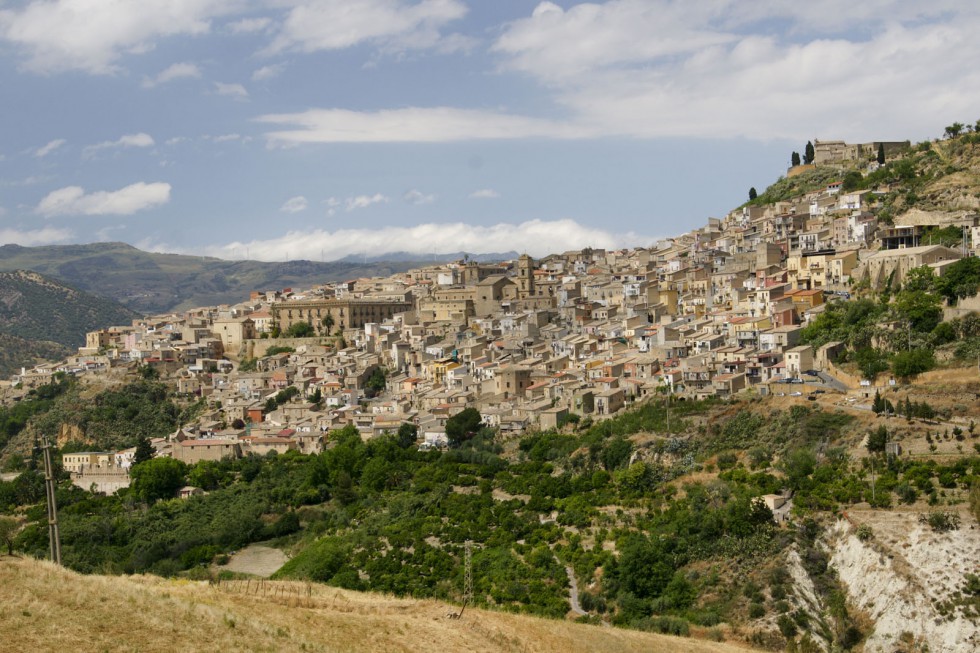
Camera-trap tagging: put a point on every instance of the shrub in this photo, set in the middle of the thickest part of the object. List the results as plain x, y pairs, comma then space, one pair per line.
786, 626
941, 521
664, 624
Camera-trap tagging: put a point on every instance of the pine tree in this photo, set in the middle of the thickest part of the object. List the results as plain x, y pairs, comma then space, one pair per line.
881, 153
795, 159
808, 153
878, 405
144, 451
752, 194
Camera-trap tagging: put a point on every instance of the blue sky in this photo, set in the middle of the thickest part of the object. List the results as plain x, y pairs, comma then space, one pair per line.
320, 128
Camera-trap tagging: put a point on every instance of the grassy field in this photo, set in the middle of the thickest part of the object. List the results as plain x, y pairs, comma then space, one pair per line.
47, 608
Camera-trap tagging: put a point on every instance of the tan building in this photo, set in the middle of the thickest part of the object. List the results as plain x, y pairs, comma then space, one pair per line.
233, 332
799, 360
328, 315
194, 451
513, 380
894, 264
74, 462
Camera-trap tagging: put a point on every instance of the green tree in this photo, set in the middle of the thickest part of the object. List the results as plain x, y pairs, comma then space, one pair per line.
881, 153
961, 279
907, 364
920, 308
376, 382
248, 365
156, 479
920, 278
852, 181
808, 154
8, 531
795, 159
463, 425
954, 130
300, 330
753, 194
878, 404
877, 439
148, 372
144, 450
871, 362
408, 435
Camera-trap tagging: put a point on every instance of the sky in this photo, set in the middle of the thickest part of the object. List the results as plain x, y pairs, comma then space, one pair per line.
319, 129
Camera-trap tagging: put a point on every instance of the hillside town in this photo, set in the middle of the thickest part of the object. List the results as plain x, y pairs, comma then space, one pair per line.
529, 343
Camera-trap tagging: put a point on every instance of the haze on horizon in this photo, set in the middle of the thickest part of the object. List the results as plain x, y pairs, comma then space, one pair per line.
319, 129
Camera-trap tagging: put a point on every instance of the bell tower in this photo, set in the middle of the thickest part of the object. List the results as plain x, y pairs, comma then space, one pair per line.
525, 276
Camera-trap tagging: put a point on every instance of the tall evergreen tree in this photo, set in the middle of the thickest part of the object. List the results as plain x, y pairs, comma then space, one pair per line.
795, 159
752, 194
144, 451
881, 153
878, 405
808, 153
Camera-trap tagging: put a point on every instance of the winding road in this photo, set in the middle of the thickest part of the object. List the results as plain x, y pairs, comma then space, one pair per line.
573, 593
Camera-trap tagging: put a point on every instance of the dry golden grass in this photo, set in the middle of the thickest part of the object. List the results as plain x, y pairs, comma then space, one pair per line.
47, 608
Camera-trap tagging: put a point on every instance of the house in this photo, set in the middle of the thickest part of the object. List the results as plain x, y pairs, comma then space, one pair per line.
891, 266
189, 491
799, 360
194, 451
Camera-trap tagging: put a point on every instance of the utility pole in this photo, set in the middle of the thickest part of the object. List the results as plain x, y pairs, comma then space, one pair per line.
467, 580
872, 478
468, 575
54, 537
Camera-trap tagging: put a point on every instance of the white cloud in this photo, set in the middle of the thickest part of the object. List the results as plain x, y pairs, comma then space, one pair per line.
484, 194
183, 70
236, 91
249, 25
127, 140
294, 205
422, 125
91, 36
417, 197
45, 236
228, 138
395, 25
72, 200
658, 68
268, 72
45, 150
364, 201
594, 35
652, 68
537, 237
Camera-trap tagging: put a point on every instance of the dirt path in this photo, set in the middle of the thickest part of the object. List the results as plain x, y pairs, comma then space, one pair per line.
258, 560
573, 593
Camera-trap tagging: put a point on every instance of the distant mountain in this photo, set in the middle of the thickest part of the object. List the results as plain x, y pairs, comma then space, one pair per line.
34, 307
42, 319
433, 258
16, 353
159, 283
